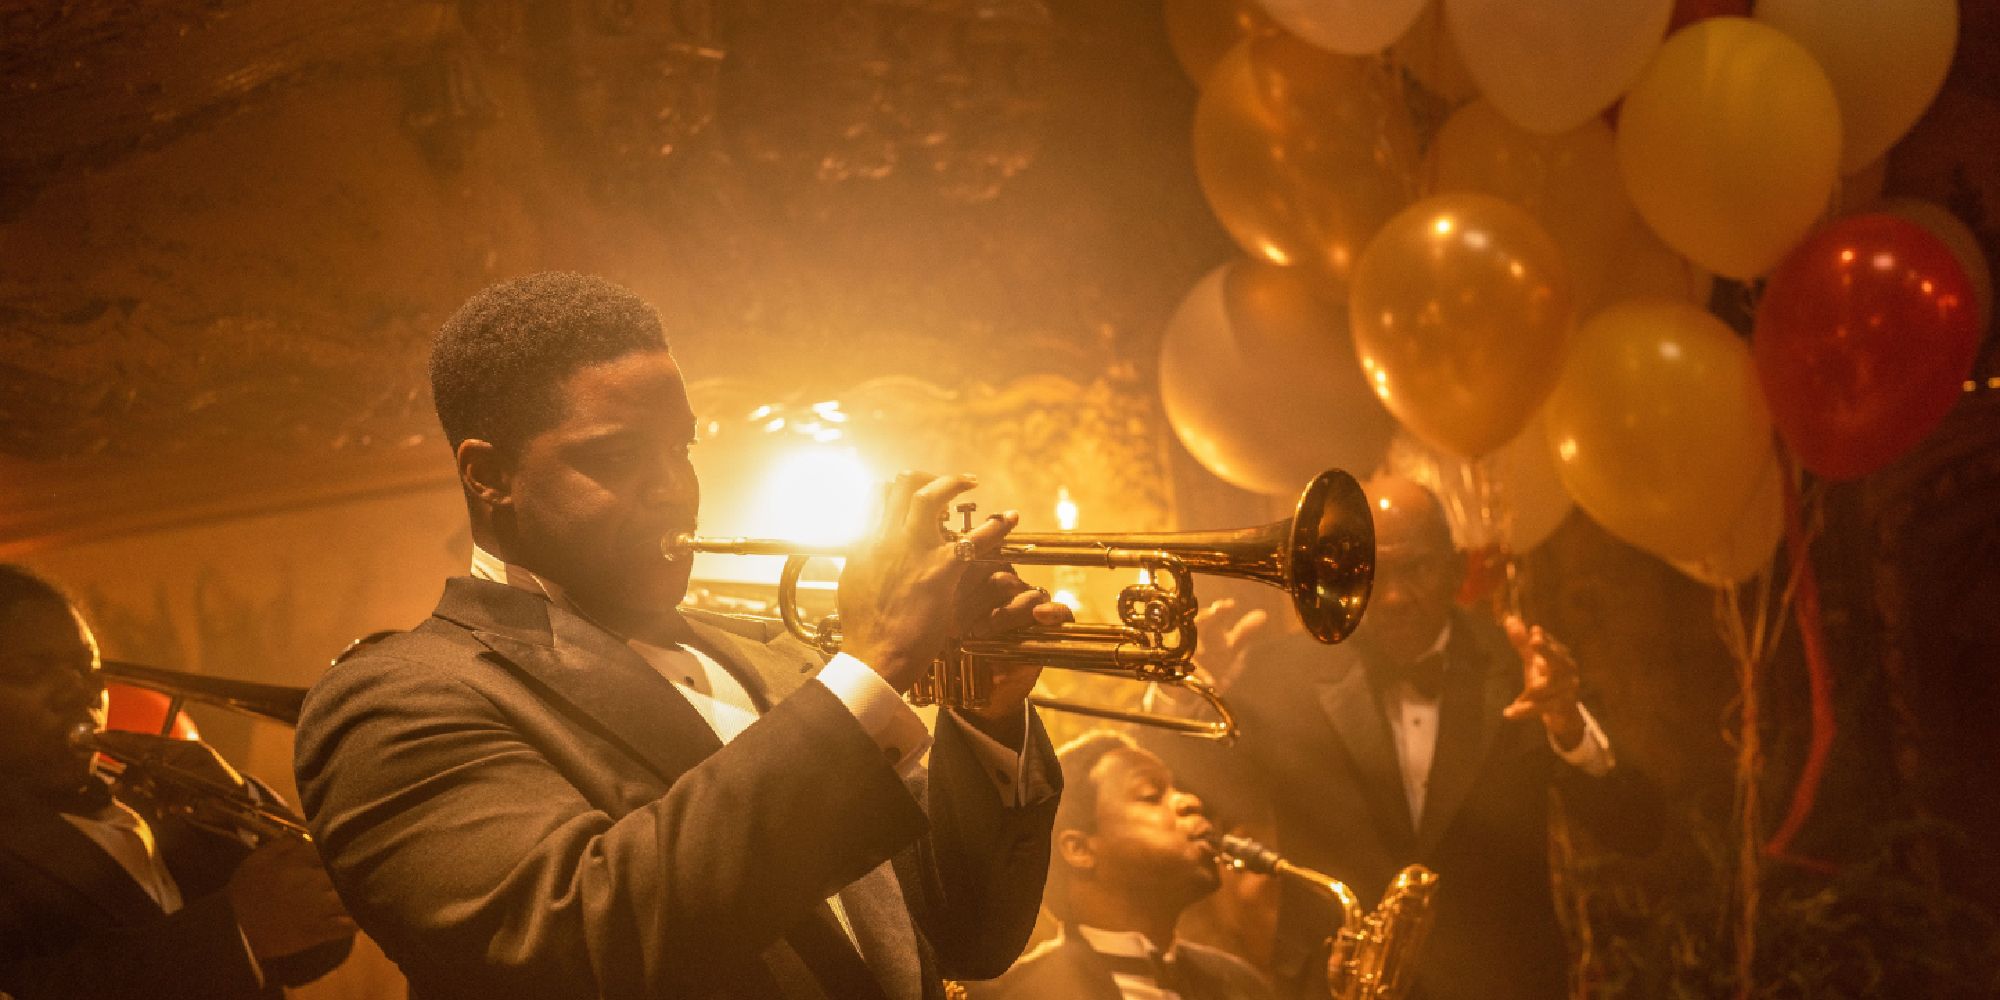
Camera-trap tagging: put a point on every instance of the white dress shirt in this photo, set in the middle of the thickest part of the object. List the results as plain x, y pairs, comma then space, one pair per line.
1130, 944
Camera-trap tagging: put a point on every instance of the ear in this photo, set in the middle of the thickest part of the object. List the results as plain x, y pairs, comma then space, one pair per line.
486, 473
1076, 851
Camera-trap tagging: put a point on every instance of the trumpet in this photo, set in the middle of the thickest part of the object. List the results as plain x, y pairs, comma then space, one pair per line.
1371, 952
143, 763
1323, 557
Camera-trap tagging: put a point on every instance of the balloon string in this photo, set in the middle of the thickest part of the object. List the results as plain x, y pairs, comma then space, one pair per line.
1806, 611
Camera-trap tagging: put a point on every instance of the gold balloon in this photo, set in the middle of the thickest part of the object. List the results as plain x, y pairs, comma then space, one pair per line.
1258, 380
1460, 309
1729, 144
1659, 428
1569, 182
1302, 153
1201, 32
1746, 549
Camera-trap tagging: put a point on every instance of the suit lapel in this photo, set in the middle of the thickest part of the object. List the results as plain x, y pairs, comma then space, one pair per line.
1350, 704
587, 667
48, 842
1468, 721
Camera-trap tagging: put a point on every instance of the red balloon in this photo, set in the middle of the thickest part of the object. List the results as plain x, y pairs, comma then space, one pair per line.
1863, 341
140, 710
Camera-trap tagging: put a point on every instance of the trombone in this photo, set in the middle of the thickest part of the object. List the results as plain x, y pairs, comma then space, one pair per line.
202, 800
1323, 557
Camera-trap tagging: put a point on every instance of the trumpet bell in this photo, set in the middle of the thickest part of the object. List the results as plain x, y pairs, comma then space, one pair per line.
1330, 556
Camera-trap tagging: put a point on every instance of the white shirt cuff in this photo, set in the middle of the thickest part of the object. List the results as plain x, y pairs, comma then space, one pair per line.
883, 714
256, 967
1592, 753
1001, 762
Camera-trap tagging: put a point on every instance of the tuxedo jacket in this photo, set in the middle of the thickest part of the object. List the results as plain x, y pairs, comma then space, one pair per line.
1067, 968
75, 925
513, 803
1317, 747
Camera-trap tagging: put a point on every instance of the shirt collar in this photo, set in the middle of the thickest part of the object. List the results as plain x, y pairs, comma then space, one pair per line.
1121, 944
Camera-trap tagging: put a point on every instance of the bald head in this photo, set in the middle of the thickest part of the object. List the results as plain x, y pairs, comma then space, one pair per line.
1406, 515
1417, 571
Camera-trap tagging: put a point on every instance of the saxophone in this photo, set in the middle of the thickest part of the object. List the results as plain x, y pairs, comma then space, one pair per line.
1372, 952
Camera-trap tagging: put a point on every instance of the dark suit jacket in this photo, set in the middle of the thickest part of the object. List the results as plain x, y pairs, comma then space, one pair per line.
514, 804
1317, 745
74, 925
1066, 968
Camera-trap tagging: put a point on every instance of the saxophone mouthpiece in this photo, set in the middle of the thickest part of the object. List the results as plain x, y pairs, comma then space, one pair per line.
677, 546
1246, 854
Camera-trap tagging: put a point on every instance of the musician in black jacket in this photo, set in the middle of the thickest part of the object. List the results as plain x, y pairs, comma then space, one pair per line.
1434, 736
1131, 852
102, 897
561, 785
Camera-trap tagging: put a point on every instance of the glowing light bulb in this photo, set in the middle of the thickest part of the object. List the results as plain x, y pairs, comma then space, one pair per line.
816, 494
1066, 512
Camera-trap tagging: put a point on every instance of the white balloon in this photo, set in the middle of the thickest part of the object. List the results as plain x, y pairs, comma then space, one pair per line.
1886, 60
1350, 27
1549, 65
1266, 413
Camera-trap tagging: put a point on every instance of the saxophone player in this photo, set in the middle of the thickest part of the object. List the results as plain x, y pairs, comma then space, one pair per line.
102, 895
1131, 852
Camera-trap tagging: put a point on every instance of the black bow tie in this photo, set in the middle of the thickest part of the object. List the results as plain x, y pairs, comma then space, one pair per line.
1426, 675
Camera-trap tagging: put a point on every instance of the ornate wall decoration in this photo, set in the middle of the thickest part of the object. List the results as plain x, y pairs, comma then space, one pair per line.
950, 93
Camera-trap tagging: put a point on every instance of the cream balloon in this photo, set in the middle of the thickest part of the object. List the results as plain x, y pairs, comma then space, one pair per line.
1886, 61
1730, 143
1569, 182
1955, 234
1523, 498
1258, 380
1745, 550
1658, 426
1349, 27
1551, 65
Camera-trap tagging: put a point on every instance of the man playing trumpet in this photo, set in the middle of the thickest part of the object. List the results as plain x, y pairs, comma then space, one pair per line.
560, 785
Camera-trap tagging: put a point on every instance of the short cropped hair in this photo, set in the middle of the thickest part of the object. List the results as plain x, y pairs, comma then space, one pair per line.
1077, 809
497, 363
21, 585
